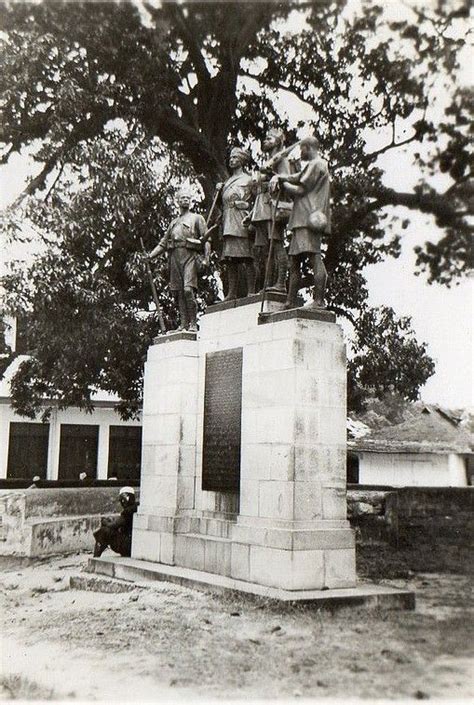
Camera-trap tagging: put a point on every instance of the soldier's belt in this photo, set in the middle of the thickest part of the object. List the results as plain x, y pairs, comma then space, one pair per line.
193, 243
190, 243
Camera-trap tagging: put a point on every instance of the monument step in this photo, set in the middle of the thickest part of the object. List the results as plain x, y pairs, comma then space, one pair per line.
207, 526
363, 595
206, 536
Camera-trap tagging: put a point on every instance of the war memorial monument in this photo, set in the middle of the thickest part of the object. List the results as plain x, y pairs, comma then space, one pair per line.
243, 478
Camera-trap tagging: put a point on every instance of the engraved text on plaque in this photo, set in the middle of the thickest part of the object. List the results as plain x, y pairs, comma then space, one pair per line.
222, 421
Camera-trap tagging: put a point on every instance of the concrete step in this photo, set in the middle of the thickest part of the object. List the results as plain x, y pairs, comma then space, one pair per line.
363, 595
93, 584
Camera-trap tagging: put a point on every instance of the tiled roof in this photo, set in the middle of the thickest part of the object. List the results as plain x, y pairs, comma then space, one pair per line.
427, 433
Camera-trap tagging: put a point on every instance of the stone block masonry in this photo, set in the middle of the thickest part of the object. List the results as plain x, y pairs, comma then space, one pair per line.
280, 521
53, 521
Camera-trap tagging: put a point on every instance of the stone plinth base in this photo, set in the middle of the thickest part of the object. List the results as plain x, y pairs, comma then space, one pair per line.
361, 595
265, 505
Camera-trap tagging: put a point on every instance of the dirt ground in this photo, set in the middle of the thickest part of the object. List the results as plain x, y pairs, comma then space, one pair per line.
168, 643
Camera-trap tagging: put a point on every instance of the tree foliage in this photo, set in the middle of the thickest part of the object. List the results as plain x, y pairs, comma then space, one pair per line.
118, 102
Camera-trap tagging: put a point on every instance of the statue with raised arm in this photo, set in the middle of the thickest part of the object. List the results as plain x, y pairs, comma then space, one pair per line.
183, 241
310, 219
235, 202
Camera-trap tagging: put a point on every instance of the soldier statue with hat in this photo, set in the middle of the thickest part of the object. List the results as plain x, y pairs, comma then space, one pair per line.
183, 241
235, 196
310, 219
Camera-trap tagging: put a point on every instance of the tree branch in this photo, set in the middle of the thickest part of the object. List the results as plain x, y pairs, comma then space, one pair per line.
459, 181
55, 182
342, 312
434, 204
39, 181
391, 145
190, 42
276, 84
249, 29
82, 131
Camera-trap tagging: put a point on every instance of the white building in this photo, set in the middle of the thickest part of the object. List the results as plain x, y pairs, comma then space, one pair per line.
430, 450
70, 442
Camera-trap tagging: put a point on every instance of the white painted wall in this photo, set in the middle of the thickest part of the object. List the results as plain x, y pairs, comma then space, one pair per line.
104, 417
412, 469
457, 470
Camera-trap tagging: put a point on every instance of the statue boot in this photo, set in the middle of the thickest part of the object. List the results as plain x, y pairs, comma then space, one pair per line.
320, 281
259, 264
280, 285
183, 312
293, 289
251, 278
232, 281
191, 310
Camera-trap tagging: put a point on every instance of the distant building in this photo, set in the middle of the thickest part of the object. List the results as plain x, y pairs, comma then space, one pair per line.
433, 449
71, 442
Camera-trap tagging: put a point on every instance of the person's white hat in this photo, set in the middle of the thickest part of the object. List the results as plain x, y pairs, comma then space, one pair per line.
127, 490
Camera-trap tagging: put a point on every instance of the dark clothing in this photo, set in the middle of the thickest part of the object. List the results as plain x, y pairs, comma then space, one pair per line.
116, 532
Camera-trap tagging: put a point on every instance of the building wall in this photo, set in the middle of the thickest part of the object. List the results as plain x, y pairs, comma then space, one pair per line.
457, 470
412, 469
104, 417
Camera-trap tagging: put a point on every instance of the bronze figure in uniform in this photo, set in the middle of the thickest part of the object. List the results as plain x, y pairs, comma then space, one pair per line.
263, 213
183, 241
310, 219
235, 203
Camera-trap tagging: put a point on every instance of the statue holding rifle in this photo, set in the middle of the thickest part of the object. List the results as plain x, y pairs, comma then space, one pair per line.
310, 219
184, 240
263, 214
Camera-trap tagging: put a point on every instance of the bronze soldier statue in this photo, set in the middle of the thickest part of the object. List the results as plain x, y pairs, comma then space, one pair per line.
310, 219
263, 212
235, 202
183, 241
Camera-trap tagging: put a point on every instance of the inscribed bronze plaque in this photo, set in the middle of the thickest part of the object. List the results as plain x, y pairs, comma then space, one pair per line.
222, 421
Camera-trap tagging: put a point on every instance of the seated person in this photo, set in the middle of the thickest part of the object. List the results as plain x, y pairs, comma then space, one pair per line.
116, 532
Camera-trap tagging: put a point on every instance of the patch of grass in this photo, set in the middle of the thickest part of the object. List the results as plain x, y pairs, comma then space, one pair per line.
381, 562
16, 687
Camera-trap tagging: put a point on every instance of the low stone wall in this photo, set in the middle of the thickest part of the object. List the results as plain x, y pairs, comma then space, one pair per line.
407, 515
368, 512
42, 522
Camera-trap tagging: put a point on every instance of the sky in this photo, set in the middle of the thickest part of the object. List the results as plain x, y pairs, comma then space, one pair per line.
442, 317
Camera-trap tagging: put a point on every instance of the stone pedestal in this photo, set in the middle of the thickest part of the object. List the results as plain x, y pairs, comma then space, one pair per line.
168, 472
286, 527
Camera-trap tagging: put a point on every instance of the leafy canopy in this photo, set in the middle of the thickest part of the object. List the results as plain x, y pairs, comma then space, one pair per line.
119, 102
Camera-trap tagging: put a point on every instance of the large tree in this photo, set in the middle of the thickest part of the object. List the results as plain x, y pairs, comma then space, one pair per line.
118, 102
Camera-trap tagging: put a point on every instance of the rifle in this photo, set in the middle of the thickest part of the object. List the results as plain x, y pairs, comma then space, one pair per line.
161, 320
271, 163
270, 250
209, 231
213, 205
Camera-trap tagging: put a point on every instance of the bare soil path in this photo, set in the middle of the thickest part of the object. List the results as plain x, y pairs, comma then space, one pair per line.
167, 642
